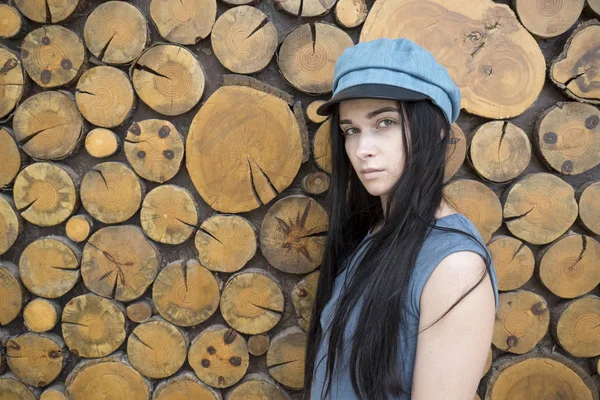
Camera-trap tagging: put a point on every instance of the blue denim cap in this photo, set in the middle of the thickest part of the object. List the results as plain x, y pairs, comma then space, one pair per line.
397, 69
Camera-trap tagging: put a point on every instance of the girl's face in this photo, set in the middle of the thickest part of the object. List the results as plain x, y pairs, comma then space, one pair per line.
374, 142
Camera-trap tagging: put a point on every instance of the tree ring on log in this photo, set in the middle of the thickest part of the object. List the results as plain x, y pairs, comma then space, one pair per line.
183, 22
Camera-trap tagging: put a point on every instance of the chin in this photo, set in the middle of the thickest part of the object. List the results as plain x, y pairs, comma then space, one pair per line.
376, 189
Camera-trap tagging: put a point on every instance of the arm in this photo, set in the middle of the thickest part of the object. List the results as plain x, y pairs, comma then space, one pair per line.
451, 354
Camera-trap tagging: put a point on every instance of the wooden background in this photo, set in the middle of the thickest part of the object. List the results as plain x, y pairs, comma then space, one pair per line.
544, 353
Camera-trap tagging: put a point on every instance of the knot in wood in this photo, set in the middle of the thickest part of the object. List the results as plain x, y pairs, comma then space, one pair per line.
46, 40
135, 129
538, 308
66, 63
211, 350
164, 131
11, 64
235, 361
205, 363
229, 336
512, 341
592, 122
302, 293
475, 36
13, 345
54, 354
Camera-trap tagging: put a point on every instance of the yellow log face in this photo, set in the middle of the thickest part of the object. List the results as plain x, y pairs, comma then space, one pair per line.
184, 386
305, 8
105, 96
93, 326
513, 260
101, 143
11, 159
13, 389
12, 81
168, 78
308, 54
119, 262
11, 293
574, 69
184, 22
40, 315
568, 136
244, 40
588, 207
10, 21
350, 13
303, 298
252, 302
52, 56
34, 359
577, 327
293, 234
548, 19
219, 356
495, 62
9, 224
322, 147
227, 159
37, 10
154, 148
78, 228
258, 389
45, 194
169, 214
285, 358
539, 208
185, 293
116, 32
456, 152
571, 266
105, 379
478, 203
156, 349
48, 125
225, 243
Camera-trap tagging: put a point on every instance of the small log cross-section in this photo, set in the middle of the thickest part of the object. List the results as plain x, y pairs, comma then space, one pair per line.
521, 321
316, 183
570, 267
478, 203
140, 311
55, 391
113, 374
119, 262
157, 349
169, 214
589, 213
350, 13
53, 56
293, 234
93, 326
304, 8
568, 137
116, 32
575, 326
258, 344
513, 260
101, 143
11, 157
34, 358
244, 40
308, 54
303, 297
252, 301
539, 208
322, 147
185, 293
225, 243
257, 386
104, 96
285, 358
183, 22
11, 23
456, 152
48, 125
547, 19
13, 81
228, 158
45, 194
10, 224
49, 266
12, 388
575, 69
154, 148
311, 112
548, 376
495, 62
168, 78
111, 192
78, 228
184, 386
49, 12
12, 294
41, 315
500, 151
219, 356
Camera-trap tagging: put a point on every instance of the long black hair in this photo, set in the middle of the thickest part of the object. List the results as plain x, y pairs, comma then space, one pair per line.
381, 276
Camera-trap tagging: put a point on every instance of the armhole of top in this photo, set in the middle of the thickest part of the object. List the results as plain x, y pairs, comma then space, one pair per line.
423, 272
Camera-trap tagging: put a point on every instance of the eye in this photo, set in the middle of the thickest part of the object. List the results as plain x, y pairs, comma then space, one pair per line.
384, 123
349, 131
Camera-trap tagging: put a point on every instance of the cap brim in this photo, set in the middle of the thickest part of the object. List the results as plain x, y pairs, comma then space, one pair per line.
370, 91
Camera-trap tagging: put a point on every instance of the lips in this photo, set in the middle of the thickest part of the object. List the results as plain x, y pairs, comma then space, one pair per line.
370, 172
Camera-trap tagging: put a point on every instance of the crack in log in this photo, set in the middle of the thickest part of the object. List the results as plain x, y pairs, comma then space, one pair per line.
317, 234
186, 223
510, 219
75, 323
271, 186
106, 275
280, 364
184, 271
201, 229
84, 92
145, 68
113, 291
101, 176
477, 49
300, 7
313, 35
278, 312
48, 14
301, 221
103, 50
252, 186
305, 253
26, 139
262, 23
284, 226
324, 4
63, 268
136, 337
135, 141
583, 249
517, 252
568, 81
28, 206
504, 126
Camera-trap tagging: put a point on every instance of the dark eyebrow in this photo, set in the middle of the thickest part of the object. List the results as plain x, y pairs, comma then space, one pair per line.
372, 114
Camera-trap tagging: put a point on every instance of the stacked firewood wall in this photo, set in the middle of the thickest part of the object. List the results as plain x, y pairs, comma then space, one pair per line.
163, 177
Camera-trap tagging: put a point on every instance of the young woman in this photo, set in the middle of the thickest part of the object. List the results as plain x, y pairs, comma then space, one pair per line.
407, 292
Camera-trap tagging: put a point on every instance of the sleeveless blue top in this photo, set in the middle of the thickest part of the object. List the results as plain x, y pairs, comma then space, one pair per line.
437, 246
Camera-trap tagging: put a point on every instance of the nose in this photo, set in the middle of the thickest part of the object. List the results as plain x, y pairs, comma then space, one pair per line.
366, 146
